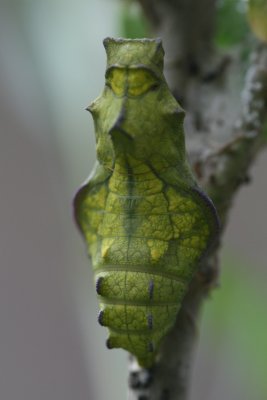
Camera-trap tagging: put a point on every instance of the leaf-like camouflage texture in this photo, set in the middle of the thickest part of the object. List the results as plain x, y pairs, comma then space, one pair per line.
144, 219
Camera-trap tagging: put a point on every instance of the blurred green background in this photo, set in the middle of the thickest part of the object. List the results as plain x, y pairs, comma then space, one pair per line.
52, 65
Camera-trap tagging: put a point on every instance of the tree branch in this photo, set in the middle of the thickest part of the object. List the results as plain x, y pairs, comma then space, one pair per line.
222, 141
225, 168
186, 28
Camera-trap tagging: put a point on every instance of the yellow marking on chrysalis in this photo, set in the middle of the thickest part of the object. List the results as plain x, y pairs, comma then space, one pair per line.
116, 79
157, 249
140, 80
178, 202
134, 81
106, 245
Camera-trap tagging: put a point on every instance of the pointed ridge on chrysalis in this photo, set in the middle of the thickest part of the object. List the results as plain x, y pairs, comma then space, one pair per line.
92, 108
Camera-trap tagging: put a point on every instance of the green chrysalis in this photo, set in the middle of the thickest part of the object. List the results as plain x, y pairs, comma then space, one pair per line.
144, 219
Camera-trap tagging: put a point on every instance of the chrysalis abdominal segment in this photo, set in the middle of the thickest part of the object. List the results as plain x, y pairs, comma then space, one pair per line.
145, 221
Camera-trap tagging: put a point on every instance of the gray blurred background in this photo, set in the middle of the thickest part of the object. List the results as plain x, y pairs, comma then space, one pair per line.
52, 65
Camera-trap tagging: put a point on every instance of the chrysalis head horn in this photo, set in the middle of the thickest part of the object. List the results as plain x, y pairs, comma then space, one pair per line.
135, 52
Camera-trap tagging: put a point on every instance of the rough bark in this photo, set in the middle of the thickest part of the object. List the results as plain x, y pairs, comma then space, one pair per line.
224, 127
